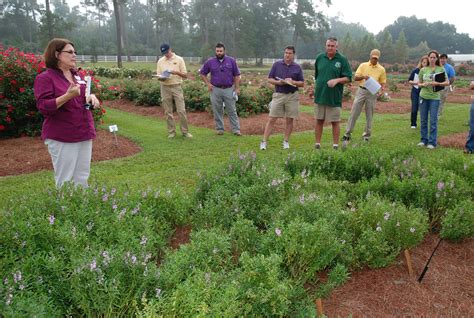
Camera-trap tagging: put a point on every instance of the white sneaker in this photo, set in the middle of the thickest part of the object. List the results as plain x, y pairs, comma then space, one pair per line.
421, 144
263, 145
413, 127
430, 147
286, 144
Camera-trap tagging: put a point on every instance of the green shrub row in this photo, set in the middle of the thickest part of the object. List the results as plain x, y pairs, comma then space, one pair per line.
115, 72
196, 95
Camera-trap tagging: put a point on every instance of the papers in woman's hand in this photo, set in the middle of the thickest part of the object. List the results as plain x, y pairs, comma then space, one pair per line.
372, 86
416, 79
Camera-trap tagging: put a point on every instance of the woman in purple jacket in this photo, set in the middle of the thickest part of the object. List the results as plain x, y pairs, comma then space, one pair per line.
68, 127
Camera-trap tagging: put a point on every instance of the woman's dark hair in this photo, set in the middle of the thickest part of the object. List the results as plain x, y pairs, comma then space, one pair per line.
437, 56
55, 45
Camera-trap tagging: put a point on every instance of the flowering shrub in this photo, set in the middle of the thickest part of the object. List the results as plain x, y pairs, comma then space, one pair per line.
84, 252
196, 96
459, 221
465, 69
383, 229
18, 113
356, 165
308, 248
253, 100
115, 72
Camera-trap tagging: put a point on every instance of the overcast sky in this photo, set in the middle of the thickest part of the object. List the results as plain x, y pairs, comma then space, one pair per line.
376, 15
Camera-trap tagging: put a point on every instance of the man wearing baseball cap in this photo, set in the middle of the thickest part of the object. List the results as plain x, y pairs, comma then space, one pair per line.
171, 71
371, 69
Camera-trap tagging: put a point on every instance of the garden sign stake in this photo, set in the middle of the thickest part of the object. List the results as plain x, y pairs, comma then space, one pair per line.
319, 307
113, 129
427, 263
409, 264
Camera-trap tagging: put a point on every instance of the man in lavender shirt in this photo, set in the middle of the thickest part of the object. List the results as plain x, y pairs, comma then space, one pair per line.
224, 87
68, 127
287, 76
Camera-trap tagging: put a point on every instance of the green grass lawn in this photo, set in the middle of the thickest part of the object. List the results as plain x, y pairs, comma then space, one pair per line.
177, 162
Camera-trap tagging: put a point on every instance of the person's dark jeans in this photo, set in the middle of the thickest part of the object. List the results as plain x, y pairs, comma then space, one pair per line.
470, 136
429, 108
415, 103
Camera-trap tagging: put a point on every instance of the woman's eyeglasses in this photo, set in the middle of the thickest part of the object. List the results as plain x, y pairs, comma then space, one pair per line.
70, 52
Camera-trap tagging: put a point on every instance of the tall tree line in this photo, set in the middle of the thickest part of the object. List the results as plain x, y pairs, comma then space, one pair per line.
251, 29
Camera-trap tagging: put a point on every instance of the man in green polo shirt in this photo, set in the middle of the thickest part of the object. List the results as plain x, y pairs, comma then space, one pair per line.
332, 71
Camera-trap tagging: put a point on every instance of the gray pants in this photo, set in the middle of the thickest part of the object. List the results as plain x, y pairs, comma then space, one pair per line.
71, 161
363, 97
219, 97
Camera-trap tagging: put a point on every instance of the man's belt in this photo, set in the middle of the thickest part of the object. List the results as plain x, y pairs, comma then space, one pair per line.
222, 86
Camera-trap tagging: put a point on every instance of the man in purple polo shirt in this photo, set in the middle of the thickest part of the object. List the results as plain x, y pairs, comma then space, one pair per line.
287, 76
224, 87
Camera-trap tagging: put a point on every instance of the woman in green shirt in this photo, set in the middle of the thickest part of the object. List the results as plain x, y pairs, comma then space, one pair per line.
429, 99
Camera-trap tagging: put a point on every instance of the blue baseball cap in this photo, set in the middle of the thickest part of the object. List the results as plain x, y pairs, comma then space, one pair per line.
164, 48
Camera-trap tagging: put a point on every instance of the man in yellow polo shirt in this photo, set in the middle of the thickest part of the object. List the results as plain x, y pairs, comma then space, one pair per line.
363, 97
171, 70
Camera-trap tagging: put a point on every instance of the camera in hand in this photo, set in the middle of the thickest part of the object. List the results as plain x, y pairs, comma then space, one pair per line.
88, 106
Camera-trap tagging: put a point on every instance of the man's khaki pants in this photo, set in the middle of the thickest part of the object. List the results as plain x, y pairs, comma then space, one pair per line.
170, 93
363, 96
443, 95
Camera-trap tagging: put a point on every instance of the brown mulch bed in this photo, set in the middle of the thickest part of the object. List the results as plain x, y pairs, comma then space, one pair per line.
447, 289
455, 140
29, 154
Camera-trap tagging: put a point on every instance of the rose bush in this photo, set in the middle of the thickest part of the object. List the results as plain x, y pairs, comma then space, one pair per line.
18, 113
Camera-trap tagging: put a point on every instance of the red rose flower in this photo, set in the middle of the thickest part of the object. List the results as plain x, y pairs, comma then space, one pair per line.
2, 127
13, 82
21, 89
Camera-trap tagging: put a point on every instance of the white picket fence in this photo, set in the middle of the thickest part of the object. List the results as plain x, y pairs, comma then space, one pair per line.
457, 58
187, 59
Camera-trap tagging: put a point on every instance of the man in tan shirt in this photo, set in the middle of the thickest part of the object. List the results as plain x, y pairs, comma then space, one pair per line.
171, 70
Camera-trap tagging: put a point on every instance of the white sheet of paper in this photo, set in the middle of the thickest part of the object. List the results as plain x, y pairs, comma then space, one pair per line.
416, 78
88, 86
113, 128
372, 85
